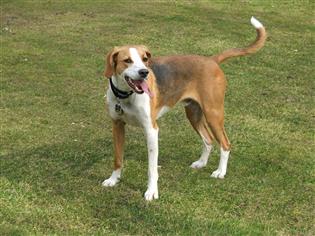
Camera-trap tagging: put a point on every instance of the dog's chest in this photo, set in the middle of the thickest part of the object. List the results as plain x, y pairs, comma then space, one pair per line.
134, 110
126, 113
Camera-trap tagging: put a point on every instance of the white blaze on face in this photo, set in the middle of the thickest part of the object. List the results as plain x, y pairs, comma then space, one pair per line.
137, 61
133, 70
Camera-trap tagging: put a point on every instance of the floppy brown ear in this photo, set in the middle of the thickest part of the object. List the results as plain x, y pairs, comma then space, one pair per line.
111, 60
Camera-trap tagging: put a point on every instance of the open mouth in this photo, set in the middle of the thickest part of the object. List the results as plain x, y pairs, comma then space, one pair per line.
139, 86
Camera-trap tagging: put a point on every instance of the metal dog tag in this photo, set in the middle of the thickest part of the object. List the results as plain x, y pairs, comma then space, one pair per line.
118, 109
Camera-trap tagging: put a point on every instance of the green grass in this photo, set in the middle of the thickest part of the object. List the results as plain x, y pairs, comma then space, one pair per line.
56, 145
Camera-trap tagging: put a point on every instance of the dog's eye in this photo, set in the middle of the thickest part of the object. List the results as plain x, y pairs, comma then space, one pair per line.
145, 59
128, 60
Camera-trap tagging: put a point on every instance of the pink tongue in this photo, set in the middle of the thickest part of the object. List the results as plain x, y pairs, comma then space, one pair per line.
145, 88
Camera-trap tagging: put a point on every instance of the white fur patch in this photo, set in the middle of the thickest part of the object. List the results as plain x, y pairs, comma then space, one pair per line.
136, 108
152, 143
221, 171
256, 23
137, 61
113, 180
203, 160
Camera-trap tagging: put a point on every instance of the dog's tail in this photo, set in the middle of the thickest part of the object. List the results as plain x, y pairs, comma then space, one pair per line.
254, 47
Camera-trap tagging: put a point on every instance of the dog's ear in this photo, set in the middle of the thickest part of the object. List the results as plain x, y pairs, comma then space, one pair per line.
147, 51
148, 54
111, 61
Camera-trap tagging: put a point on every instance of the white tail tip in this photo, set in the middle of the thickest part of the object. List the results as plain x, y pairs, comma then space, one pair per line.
256, 23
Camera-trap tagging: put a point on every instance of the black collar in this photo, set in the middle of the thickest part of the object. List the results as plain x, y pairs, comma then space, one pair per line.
119, 93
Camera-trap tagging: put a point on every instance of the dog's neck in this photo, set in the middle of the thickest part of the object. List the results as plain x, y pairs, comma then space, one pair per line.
119, 90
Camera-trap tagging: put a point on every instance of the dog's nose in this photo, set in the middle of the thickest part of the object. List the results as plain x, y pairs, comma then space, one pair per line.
143, 73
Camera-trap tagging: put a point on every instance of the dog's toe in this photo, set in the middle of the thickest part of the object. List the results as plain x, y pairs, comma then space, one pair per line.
151, 195
110, 182
198, 164
218, 174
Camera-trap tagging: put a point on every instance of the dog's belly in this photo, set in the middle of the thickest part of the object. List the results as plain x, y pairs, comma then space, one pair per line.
174, 75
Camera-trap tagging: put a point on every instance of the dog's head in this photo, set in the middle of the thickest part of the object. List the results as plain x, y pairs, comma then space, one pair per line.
129, 64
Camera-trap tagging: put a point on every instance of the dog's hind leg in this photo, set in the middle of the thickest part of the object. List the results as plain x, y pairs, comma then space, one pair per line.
198, 122
214, 119
212, 105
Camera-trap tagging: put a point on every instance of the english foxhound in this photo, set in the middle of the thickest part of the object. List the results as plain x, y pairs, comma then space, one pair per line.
143, 88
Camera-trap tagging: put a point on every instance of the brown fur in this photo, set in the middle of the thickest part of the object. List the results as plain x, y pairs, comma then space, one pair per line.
197, 80
119, 140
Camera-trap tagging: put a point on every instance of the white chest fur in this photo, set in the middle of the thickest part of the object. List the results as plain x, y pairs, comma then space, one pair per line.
135, 109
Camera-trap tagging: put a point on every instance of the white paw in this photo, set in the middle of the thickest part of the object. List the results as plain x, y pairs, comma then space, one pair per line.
218, 174
110, 182
151, 194
198, 164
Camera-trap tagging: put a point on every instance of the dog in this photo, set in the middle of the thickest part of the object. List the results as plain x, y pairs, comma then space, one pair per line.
143, 88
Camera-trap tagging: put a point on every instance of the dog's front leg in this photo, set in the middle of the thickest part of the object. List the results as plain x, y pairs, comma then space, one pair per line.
152, 144
119, 140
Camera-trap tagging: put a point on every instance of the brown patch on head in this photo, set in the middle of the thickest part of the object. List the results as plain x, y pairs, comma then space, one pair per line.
144, 53
118, 59
123, 60
111, 61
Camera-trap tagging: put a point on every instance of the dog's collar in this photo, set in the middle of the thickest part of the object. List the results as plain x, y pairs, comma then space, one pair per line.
117, 92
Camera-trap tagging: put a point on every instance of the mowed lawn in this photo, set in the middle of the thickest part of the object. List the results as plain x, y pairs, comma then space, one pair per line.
56, 145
